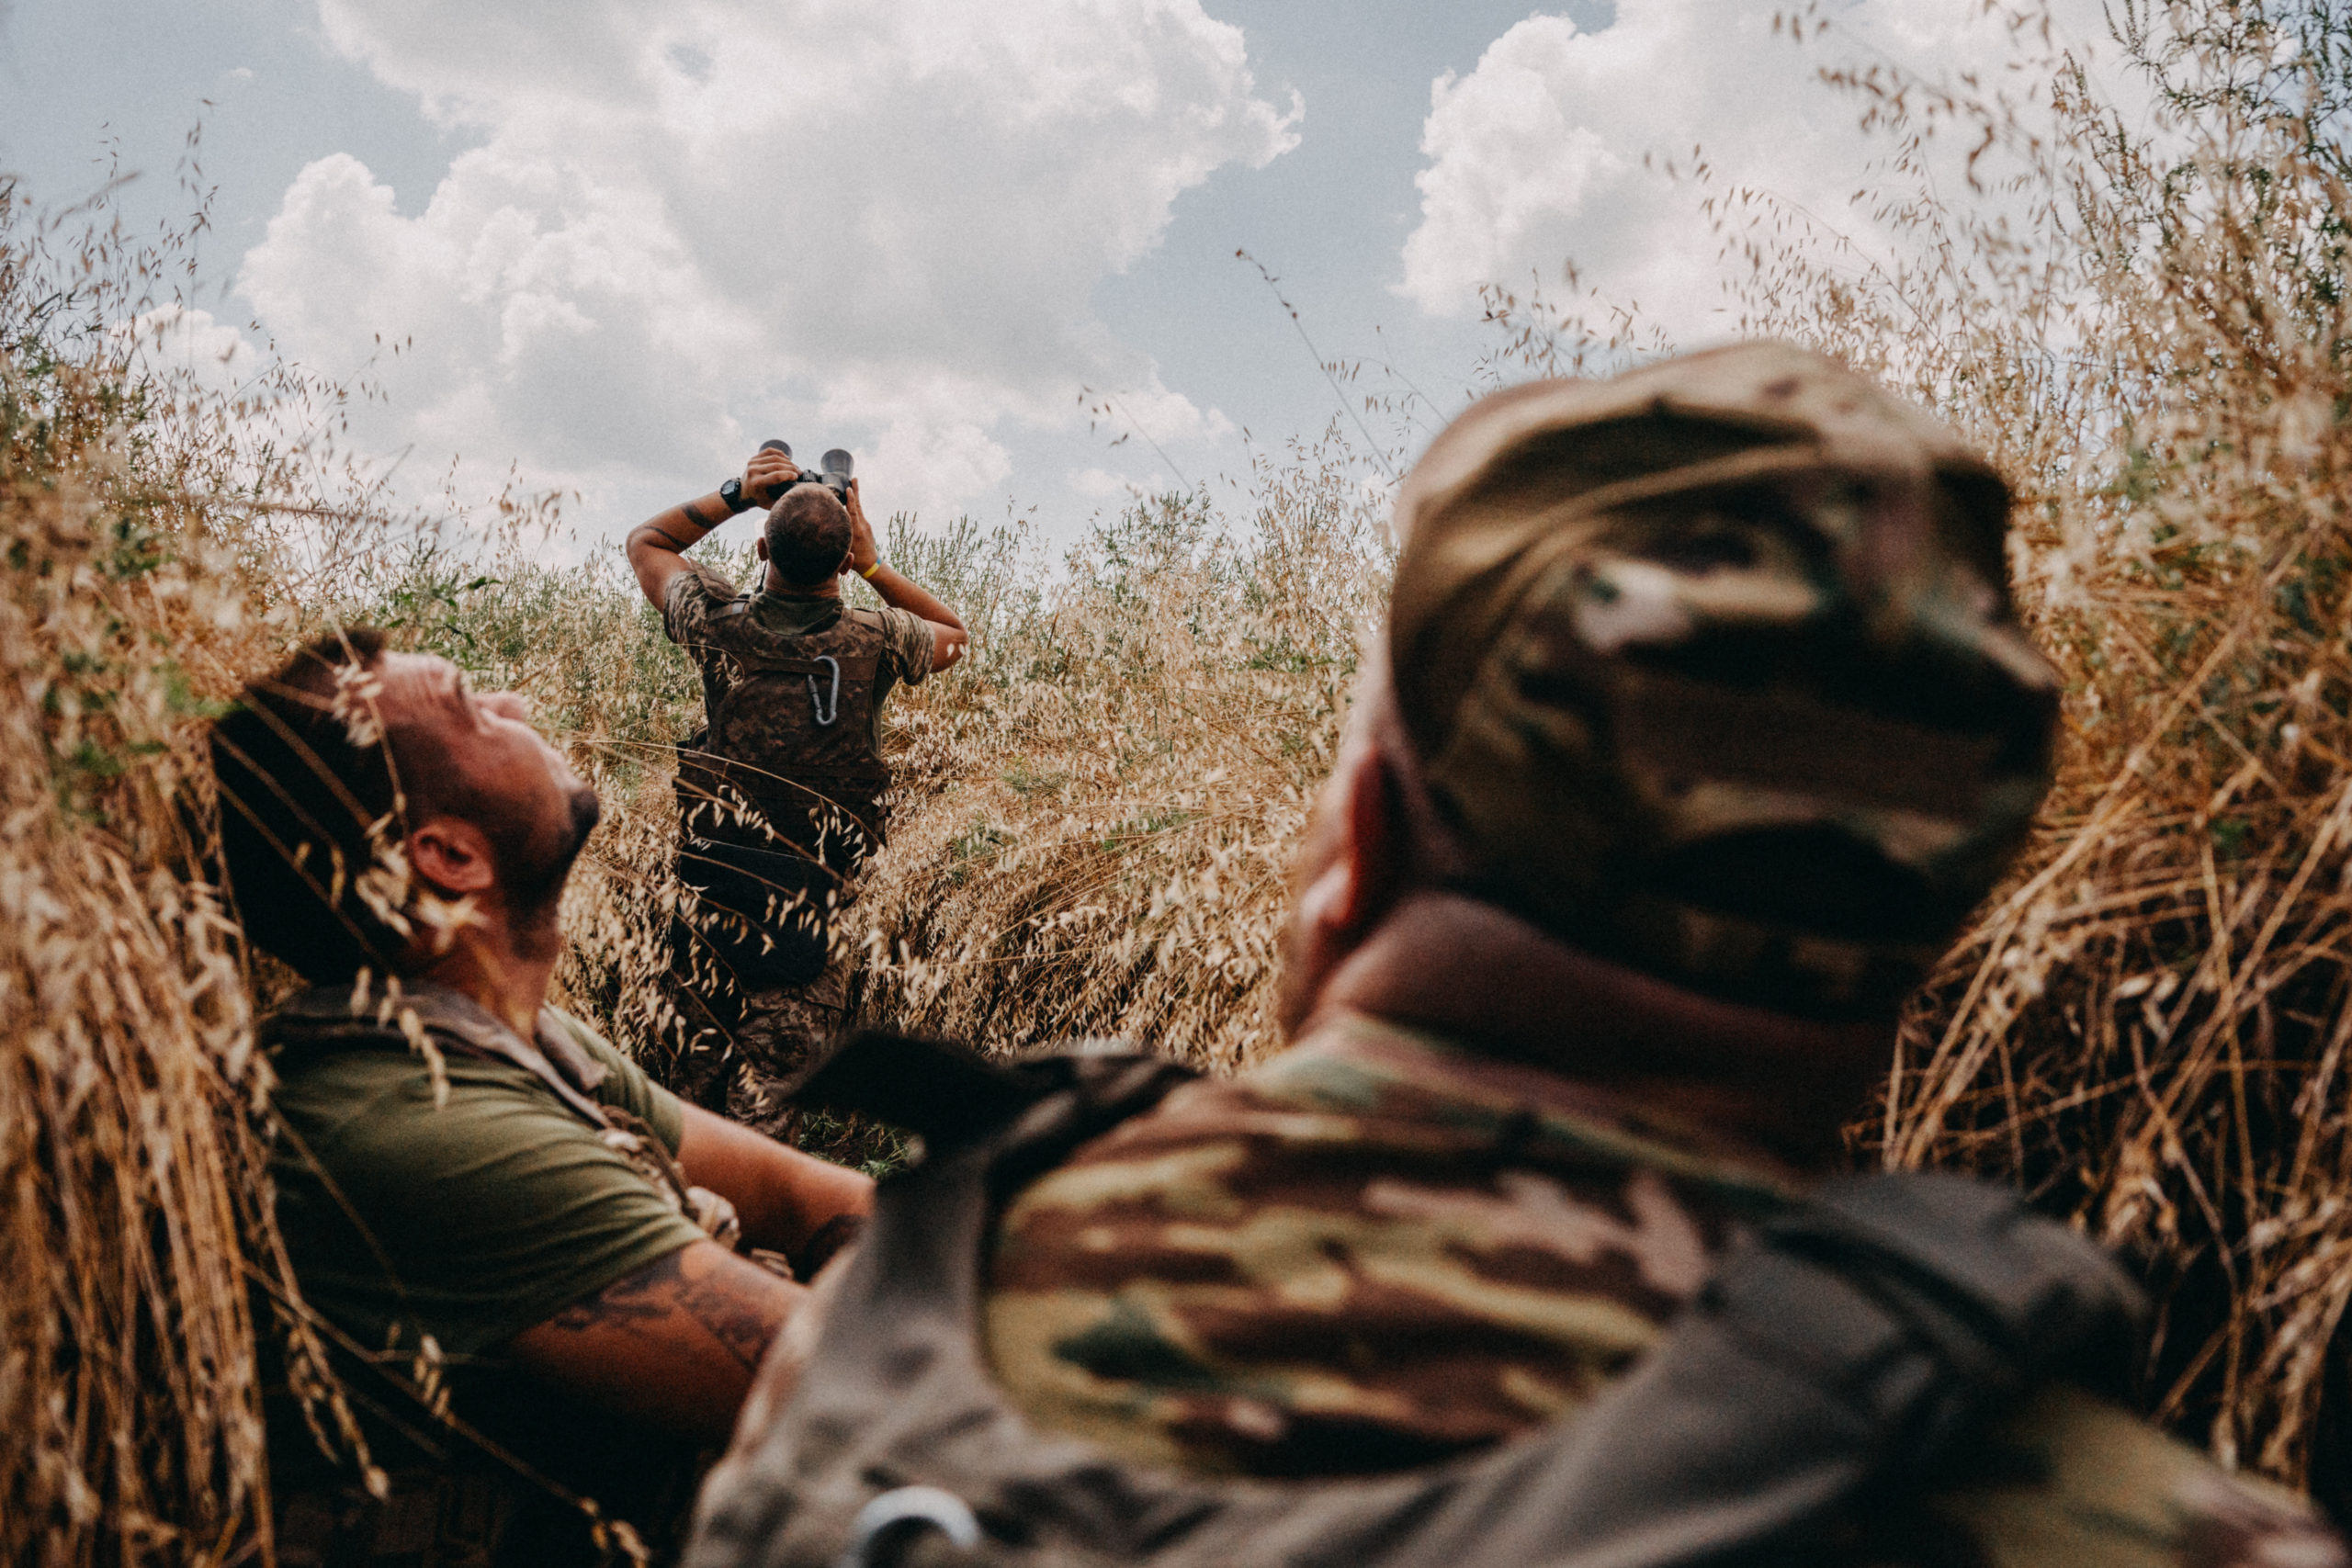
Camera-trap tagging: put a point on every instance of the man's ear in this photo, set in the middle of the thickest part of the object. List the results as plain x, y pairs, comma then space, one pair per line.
1375, 840
451, 856
1350, 870
759, 548
1366, 864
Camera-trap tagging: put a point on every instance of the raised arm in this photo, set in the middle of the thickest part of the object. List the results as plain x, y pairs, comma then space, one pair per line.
657, 547
948, 636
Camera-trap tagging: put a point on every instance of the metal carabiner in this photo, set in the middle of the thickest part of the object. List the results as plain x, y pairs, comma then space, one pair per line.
826, 713
906, 1507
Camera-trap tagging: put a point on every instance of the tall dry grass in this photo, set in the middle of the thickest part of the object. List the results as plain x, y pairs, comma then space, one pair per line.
2140, 317
1105, 803
135, 1210
2141, 312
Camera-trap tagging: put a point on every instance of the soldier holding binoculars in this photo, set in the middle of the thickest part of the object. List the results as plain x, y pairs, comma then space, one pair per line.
781, 792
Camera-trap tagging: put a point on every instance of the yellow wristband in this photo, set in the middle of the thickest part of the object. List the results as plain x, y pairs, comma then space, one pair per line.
869, 571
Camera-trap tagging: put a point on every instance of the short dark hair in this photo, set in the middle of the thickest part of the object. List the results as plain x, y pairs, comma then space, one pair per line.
300, 787
808, 533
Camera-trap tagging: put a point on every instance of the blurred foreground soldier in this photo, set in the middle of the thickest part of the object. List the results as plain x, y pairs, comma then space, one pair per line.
781, 793
1700, 724
494, 1217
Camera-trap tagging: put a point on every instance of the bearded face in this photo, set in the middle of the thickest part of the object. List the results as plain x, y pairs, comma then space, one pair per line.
476, 757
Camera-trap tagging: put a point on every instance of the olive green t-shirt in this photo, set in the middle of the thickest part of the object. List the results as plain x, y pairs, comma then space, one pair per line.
470, 1221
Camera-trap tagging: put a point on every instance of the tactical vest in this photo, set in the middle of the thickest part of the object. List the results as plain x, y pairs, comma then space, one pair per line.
1842, 1354
780, 795
790, 732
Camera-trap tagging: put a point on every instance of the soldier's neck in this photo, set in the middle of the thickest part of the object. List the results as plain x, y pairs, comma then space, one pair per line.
507, 972
772, 581
1466, 970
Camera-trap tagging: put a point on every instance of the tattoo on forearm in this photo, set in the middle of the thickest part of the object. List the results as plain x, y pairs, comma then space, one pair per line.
742, 1324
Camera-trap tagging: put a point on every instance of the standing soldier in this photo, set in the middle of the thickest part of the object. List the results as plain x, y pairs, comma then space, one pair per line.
781, 794
1700, 724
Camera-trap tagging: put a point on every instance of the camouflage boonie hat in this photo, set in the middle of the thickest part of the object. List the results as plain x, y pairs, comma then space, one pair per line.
1714, 667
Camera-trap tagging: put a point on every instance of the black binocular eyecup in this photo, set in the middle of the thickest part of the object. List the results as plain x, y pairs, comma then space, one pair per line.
834, 469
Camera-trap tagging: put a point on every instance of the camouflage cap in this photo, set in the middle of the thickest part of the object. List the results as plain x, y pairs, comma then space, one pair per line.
1713, 667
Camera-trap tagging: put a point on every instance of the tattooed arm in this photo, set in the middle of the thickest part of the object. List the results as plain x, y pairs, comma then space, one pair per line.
674, 1345
657, 547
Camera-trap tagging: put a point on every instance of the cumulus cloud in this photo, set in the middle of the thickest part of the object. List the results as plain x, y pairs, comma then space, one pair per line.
1103, 485
687, 225
183, 342
1552, 149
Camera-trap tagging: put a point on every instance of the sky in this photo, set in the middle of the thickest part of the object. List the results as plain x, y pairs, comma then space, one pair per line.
618, 242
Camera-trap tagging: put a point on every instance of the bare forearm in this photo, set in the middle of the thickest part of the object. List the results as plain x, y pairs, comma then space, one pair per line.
803, 1205
787, 1200
901, 593
682, 528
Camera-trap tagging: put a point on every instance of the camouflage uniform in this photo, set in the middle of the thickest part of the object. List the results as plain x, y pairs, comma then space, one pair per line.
1379, 1250
788, 765
1385, 1250
780, 1029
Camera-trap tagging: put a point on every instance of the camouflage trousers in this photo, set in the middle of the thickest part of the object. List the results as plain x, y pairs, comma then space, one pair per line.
743, 1049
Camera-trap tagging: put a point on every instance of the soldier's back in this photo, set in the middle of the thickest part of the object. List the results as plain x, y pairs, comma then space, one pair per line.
1382, 1252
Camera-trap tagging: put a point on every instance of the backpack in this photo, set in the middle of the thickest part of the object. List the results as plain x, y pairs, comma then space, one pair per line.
781, 794
1839, 1355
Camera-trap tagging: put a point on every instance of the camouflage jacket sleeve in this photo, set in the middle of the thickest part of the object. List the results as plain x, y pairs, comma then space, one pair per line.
687, 603
907, 645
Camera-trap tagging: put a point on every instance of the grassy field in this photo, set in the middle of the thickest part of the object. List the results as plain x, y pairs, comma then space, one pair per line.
2142, 316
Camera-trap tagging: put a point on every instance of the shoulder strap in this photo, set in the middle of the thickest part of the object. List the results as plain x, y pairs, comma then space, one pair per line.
1846, 1347
332, 1015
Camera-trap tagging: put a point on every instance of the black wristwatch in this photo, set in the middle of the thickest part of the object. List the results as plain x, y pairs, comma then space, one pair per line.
731, 493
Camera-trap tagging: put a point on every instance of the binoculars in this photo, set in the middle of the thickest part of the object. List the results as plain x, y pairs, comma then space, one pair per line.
832, 469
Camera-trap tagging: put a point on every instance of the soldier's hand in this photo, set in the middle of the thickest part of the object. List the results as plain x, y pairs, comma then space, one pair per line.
765, 476
863, 551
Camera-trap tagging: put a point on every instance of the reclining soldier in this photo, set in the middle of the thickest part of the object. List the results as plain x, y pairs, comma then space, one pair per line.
480, 1197
781, 794
1700, 723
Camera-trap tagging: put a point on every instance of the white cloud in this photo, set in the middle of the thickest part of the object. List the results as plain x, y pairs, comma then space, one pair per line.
1102, 484
690, 225
1537, 157
181, 342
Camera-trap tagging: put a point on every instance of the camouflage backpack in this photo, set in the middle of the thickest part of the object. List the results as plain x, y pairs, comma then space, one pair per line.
1840, 1359
790, 734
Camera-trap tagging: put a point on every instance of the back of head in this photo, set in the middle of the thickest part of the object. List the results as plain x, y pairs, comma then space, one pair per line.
808, 534
1711, 670
307, 788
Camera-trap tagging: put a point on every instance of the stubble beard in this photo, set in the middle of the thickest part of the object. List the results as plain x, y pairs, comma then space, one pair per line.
535, 876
